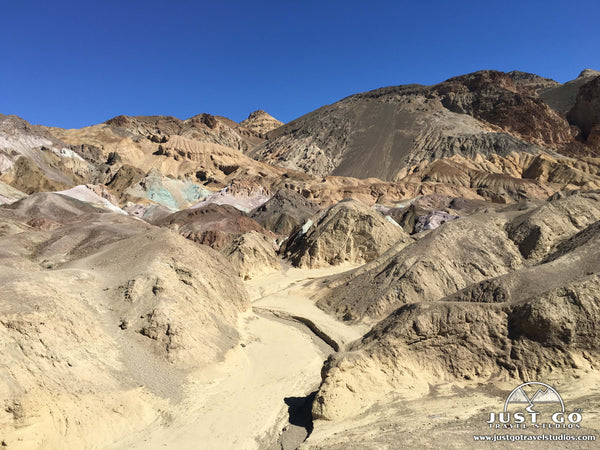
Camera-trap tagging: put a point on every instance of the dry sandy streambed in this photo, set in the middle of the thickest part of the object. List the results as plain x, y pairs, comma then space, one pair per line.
246, 401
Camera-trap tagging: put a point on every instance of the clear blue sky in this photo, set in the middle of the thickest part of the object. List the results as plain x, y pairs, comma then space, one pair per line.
76, 63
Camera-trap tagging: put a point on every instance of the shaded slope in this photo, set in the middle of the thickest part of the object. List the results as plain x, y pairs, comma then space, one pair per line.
284, 211
213, 225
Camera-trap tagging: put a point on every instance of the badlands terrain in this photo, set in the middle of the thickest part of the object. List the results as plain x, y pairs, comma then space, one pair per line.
379, 273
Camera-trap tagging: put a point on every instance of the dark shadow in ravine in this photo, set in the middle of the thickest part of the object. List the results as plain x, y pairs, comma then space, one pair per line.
299, 410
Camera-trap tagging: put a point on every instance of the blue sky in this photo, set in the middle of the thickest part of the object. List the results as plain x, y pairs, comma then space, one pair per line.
72, 64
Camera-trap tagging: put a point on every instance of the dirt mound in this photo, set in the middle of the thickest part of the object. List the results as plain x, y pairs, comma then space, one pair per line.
284, 211
213, 225
347, 232
252, 254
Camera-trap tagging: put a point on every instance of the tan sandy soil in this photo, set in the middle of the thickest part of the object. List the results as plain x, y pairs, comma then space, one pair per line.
451, 415
289, 292
238, 403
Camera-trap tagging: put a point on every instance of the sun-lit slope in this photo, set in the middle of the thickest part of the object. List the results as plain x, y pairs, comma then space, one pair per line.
102, 315
507, 294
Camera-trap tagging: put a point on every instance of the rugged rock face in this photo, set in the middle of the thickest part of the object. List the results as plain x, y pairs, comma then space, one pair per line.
213, 225
346, 232
431, 343
433, 220
521, 320
442, 262
494, 98
202, 128
585, 114
284, 211
532, 81
537, 233
252, 254
33, 160
562, 97
378, 133
261, 123
165, 191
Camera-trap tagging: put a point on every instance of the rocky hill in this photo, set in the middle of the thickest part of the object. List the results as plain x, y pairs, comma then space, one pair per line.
491, 294
379, 273
261, 123
381, 132
349, 232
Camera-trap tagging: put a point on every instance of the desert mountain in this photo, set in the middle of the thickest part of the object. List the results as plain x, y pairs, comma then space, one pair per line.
381, 132
213, 225
106, 304
378, 273
284, 211
33, 160
562, 97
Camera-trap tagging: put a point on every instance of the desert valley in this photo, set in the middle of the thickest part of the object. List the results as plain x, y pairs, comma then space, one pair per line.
379, 273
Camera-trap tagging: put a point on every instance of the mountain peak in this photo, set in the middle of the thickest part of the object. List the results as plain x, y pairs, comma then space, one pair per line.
588, 73
261, 122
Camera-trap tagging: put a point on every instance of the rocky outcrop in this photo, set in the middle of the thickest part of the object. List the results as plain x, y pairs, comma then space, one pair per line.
252, 254
520, 321
496, 99
213, 225
440, 263
202, 128
585, 114
284, 211
538, 232
433, 220
439, 342
33, 160
261, 123
348, 232
562, 97
532, 81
